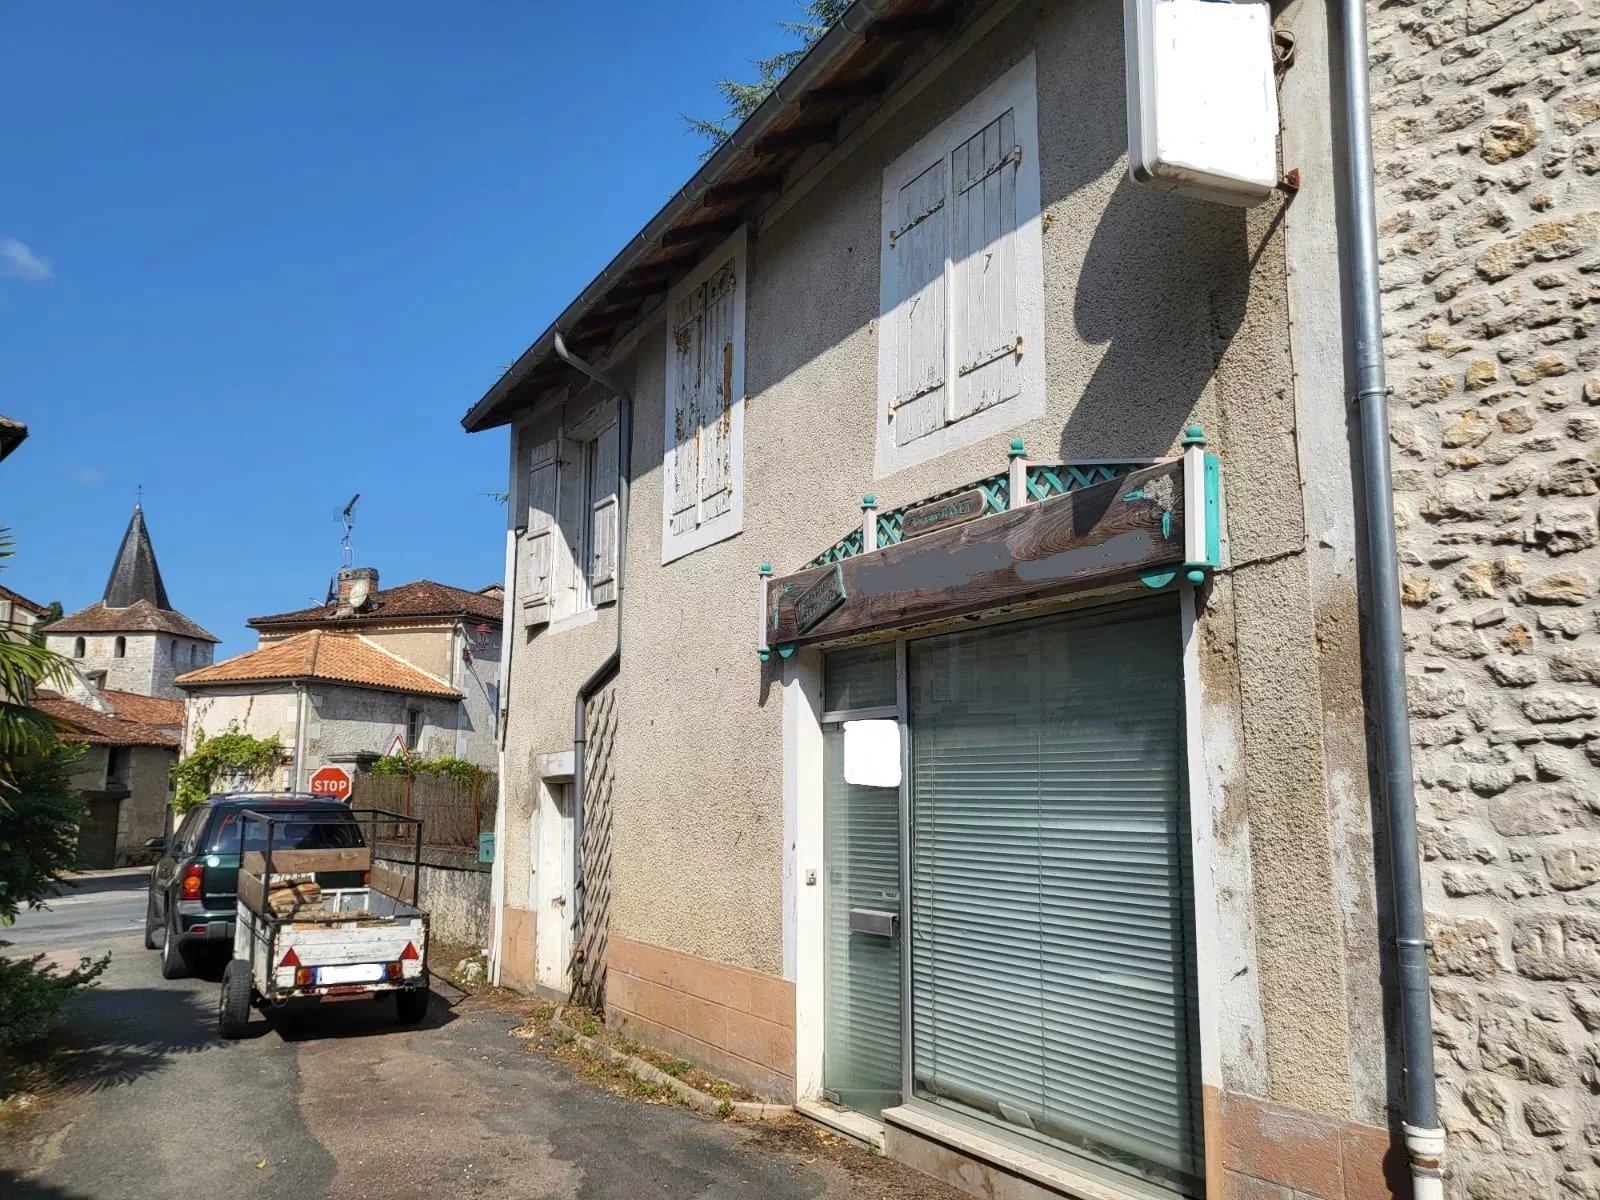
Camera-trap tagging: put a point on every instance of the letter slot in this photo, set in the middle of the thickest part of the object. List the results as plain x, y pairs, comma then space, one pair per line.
878, 921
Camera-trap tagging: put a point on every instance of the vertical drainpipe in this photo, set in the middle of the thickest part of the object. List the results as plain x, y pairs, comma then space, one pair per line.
299, 734
607, 669
1423, 1134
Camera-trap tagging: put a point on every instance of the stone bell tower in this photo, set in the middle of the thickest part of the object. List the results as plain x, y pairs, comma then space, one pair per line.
132, 639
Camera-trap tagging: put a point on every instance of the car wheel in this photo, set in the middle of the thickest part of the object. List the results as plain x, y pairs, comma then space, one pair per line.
411, 1005
174, 960
233, 1010
150, 942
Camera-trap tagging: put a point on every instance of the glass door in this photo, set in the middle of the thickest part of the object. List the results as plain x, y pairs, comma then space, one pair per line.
862, 894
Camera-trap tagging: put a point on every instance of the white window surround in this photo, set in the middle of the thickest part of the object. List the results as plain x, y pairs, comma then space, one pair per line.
1014, 92
568, 476
702, 530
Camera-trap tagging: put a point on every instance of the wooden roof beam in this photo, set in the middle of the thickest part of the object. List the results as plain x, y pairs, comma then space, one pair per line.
799, 138
917, 25
685, 234
748, 188
845, 92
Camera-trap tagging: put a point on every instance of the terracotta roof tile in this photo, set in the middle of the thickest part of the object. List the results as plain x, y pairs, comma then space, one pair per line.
139, 617
81, 723
23, 602
320, 654
423, 598
147, 710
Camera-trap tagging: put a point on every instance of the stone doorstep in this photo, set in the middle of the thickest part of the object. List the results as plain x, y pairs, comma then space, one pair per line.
987, 1166
858, 1127
750, 1110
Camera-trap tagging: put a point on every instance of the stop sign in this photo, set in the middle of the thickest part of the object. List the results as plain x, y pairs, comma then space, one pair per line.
332, 782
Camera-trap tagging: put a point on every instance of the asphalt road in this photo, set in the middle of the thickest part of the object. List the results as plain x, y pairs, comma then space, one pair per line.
341, 1102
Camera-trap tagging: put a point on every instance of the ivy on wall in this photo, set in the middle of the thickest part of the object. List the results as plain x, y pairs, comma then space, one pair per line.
232, 757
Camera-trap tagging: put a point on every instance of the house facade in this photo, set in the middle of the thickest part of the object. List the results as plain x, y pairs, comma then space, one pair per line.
953, 552
374, 671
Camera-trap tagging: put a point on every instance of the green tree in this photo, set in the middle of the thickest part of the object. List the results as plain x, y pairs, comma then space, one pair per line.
25, 665
743, 98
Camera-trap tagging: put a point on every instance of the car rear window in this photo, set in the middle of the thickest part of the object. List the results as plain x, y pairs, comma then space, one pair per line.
329, 831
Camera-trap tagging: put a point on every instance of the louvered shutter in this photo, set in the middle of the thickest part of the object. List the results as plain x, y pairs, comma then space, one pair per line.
1052, 960
603, 517
983, 221
688, 355
542, 499
572, 514
716, 394
919, 247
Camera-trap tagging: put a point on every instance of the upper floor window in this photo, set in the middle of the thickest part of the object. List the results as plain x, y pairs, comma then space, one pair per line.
194, 656
703, 455
120, 647
572, 519
413, 727
79, 647
961, 289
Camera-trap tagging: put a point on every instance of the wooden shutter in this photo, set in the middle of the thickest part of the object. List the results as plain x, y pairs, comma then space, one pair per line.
603, 518
688, 340
542, 490
716, 394
919, 246
572, 515
983, 220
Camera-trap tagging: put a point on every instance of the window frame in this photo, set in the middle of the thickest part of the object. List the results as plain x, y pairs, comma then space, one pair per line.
731, 522
413, 738
1016, 90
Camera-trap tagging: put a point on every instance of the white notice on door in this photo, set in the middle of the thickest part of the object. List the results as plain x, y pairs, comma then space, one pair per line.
872, 753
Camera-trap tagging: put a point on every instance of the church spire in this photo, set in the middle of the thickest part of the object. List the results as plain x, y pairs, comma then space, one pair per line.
135, 575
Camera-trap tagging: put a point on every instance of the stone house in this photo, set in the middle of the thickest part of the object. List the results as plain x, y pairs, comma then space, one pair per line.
1487, 123
130, 744
413, 667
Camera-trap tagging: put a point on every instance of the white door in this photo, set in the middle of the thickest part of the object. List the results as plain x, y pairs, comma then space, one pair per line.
552, 885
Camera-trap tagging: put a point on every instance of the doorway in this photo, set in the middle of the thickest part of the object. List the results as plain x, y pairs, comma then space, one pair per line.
551, 885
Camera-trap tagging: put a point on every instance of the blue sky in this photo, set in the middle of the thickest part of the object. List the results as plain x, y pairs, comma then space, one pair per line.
258, 258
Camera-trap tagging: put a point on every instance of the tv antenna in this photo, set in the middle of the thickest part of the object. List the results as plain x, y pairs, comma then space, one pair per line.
349, 519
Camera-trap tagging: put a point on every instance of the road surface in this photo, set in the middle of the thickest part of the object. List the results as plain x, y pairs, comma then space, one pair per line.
344, 1103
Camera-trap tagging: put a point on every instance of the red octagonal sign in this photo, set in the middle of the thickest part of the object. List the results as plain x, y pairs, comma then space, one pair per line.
332, 782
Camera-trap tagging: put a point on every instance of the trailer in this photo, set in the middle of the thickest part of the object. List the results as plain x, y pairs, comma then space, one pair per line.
319, 921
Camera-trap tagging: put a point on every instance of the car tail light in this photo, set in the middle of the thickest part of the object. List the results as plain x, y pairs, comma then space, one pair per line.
409, 954
196, 930
392, 970
304, 977
291, 959
190, 888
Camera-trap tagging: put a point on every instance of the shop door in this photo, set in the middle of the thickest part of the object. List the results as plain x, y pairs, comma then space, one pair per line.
1051, 945
862, 898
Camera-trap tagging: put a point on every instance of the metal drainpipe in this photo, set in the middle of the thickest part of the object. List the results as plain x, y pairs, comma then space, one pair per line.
603, 673
1423, 1134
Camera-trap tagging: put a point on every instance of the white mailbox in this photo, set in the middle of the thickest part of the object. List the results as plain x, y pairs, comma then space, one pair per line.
1202, 99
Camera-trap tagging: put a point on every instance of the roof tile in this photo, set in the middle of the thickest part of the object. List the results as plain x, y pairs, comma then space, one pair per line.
321, 654
139, 617
424, 598
81, 723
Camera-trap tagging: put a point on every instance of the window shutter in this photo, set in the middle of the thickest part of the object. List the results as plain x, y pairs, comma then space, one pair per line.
542, 472
716, 398
984, 280
603, 531
572, 511
919, 246
688, 339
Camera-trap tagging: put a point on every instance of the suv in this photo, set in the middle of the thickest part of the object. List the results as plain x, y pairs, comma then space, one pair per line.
193, 884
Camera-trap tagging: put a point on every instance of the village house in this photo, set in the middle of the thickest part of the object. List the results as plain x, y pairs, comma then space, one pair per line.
953, 683
372, 672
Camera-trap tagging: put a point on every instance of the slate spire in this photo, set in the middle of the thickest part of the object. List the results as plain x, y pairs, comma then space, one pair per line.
135, 575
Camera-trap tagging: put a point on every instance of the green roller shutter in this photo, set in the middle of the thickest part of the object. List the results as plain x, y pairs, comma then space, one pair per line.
1052, 953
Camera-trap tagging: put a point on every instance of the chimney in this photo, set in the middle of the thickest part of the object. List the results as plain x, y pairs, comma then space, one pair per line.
350, 601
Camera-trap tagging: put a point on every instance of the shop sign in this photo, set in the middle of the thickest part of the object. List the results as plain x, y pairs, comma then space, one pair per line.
941, 514
820, 599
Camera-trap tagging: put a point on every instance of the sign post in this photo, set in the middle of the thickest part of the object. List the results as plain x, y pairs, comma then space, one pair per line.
332, 782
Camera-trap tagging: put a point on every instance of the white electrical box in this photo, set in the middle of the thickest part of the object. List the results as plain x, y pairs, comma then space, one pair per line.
1202, 99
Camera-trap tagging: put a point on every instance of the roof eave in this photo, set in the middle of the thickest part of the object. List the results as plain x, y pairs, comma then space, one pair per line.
843, 36
194, 684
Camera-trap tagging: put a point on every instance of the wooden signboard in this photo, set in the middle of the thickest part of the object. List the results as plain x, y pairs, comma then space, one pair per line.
1088, 538
941, 514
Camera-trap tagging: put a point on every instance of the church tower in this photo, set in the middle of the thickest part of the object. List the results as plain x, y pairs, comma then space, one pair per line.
132, 639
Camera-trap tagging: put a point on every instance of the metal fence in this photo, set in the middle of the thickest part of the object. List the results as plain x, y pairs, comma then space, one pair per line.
453, 812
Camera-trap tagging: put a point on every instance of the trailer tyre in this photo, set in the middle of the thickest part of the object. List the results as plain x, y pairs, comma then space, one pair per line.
233, 1012
411, 1005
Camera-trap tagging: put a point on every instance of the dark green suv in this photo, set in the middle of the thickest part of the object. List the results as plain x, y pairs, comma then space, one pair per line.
193, 884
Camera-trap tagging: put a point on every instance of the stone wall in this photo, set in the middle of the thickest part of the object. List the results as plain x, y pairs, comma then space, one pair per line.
454, 892
1487, 123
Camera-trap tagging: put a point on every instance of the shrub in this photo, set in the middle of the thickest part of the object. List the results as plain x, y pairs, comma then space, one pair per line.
32, 992
410, 764
233, 755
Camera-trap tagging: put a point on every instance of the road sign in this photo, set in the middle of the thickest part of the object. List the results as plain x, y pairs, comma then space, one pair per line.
397, 747
332, 782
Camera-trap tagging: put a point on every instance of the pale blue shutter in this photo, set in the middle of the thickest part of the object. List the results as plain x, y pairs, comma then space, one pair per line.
919, 256
1052, 958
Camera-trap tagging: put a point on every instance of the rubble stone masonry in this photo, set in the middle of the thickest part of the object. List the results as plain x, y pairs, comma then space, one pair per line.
1487, 128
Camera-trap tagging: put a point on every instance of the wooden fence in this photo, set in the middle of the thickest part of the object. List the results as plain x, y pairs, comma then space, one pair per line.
453, 812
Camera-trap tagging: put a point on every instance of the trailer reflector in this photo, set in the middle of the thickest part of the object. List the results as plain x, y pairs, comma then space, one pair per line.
291, 959
409, 953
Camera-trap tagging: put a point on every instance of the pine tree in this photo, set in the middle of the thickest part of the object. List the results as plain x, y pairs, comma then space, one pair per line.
743, 99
